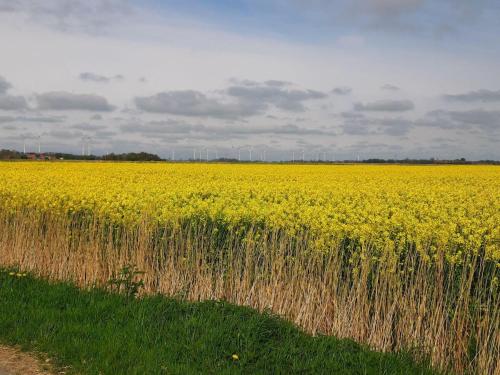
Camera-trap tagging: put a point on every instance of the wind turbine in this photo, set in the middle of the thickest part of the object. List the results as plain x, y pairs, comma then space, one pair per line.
88, 145
250, 152
39, 145
83, 145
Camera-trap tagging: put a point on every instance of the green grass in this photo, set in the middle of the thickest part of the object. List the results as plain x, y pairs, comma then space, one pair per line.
95, 332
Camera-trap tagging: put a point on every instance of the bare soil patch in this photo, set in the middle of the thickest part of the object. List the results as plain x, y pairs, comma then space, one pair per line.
15, 362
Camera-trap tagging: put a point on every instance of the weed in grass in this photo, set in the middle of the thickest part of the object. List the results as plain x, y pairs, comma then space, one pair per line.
127, 281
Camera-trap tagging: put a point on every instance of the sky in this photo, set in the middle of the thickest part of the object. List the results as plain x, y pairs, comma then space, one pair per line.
280, 79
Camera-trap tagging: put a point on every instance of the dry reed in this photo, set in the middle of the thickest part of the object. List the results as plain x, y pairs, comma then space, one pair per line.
447, 313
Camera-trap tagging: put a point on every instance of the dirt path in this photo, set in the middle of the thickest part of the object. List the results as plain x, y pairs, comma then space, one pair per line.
15, 362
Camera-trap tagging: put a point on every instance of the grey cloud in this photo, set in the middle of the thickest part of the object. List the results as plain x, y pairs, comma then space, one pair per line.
394, 16
62, 101
362, 125
88, 127
263, 95
176, 128
90, 16
4, 119
486, 120
162, 127
105, 134
342, 90
482, 95
385, 106
394, 126
296, 130
44, 119
248, 98
237, 132
390, 87
243, 82
4, 85
96, 117
92, 77
390, 7
289, 129
352, 115
63, 134
437, 119
12, 103
276, 83
380, 14
194, 103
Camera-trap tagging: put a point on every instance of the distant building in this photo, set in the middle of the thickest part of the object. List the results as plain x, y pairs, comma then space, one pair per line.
42, 156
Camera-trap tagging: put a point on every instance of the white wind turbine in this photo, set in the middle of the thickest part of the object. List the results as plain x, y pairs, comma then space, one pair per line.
89, 139
39, 144
83, 146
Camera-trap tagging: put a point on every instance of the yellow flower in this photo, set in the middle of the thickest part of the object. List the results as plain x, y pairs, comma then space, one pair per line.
12, 273
235, 357
451, 209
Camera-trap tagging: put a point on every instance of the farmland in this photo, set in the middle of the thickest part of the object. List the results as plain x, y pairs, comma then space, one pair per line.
396, 257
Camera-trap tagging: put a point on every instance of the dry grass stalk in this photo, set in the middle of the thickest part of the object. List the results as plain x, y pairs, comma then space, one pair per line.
446, 312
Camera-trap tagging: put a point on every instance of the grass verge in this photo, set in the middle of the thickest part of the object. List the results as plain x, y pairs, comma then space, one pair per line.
95, 332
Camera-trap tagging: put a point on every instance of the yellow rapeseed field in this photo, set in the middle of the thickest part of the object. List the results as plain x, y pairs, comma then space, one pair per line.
452, 208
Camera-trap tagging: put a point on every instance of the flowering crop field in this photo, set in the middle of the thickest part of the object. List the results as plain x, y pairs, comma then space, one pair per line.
454, 209
414, 251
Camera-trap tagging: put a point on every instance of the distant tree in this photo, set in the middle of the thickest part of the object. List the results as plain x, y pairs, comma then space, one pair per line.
11, 155
132, 156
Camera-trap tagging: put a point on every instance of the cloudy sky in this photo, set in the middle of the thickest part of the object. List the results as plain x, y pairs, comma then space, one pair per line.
331, 78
